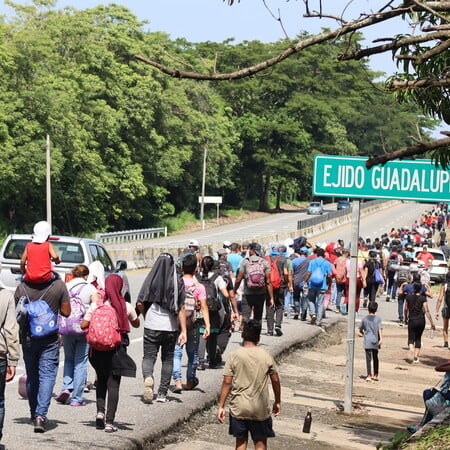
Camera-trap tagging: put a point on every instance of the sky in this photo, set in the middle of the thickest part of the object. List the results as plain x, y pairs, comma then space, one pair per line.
214, 20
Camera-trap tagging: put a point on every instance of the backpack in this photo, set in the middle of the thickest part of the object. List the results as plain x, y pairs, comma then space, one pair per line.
41, 318
403, 275
190, 304
71, 324
103, 332
317, 276
393, 260
255, 276
275, 276
377, 274
300, 273
341, 270
212, 296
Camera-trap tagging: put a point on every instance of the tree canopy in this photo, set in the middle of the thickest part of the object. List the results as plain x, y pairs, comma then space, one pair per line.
127, 142
422, 56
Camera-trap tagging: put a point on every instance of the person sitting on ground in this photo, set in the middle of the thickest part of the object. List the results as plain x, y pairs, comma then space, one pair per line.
36, 261
246, 377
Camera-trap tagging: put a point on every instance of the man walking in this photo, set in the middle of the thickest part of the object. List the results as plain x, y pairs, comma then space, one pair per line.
255, 271
9, 347
40, 343
318, 278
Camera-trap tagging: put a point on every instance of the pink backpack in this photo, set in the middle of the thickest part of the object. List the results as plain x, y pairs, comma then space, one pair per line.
103, 332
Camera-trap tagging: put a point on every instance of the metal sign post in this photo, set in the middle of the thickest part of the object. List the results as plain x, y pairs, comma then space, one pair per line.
351, 308
204, 199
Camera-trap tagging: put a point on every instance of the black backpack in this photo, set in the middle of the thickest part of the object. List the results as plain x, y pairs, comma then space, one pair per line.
212, 296
393, 259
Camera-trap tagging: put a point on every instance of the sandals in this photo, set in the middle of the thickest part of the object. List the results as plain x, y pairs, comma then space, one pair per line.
100, 421
110, 428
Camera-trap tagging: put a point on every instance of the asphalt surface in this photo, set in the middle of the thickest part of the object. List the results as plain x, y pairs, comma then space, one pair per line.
139, 424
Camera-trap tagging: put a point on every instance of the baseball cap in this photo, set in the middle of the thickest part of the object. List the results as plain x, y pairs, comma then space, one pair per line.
256, 248
303, 251
193, 243
222, 251
41, 232
226, 244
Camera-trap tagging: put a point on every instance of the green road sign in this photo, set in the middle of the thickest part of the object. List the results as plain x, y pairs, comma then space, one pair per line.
347, 176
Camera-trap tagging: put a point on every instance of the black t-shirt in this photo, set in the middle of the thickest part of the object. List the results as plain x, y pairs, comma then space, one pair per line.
415, 306
54, 294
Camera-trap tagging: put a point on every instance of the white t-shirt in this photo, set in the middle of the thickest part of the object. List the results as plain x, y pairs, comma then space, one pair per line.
160, 319
87, 291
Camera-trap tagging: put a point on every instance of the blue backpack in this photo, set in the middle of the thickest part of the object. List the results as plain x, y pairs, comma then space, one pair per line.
41, 318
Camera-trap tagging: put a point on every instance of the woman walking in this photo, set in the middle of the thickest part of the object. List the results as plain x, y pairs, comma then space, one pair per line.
111, 365
444, 300
75, 344
416, 307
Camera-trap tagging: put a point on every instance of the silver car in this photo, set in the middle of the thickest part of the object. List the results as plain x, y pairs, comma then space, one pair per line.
71, 250
314, 208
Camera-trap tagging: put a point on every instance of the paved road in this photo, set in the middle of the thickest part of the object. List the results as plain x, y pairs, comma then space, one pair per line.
74, 427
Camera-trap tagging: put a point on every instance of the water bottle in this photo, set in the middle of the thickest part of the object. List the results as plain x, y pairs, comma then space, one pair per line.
431, 333
307, 422
22, 387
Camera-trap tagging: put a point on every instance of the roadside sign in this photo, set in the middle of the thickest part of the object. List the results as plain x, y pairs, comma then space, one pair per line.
217, 200
347, 176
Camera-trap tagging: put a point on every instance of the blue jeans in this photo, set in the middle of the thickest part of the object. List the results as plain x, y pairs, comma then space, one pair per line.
75, 365
288, 302
315, 299
41, 358
401, 302
193, 340
300, 302
340, 291
3, 365
391, 285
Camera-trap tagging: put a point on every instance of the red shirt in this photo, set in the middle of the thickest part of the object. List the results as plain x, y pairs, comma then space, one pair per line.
39, 266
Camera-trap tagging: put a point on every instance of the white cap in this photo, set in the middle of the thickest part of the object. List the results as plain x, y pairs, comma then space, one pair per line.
193, 243
41, 232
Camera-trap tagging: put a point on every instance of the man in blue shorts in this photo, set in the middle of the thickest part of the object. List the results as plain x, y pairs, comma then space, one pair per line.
246, 376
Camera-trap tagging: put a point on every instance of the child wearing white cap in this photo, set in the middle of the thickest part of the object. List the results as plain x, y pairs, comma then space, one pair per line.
36, 261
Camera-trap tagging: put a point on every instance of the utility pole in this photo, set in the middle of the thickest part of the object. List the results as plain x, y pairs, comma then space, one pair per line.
202, 203
48, 182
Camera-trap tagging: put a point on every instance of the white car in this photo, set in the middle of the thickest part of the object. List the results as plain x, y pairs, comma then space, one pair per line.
314, 208
438, 268
71, 250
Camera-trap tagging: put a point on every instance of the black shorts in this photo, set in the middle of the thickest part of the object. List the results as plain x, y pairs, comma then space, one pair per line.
259, 429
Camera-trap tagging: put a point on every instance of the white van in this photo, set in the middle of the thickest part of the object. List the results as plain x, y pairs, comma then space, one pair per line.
71, 250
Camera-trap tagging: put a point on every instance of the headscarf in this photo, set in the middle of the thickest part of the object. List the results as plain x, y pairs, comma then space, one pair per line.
160, 284
113, 287
97, 275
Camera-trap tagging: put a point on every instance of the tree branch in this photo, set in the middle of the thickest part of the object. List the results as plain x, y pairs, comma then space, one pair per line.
415, 150
419, 84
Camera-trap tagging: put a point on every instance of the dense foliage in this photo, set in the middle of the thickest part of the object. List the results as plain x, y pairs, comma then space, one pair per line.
127, 142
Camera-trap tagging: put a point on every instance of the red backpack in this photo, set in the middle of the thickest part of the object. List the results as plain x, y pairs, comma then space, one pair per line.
103, 332
275, 276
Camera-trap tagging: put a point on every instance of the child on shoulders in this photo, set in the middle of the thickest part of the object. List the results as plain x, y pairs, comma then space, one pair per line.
37, 258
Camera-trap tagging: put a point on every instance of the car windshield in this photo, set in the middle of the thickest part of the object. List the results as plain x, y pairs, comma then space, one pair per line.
314, 204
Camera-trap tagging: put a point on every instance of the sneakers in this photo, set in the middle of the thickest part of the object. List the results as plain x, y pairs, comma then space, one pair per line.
278, 331
313, 319
270, 333
375, 378
161, 398
416, 361
369, 378
77, 403
63, 397
296, 316
445, 345
39, 424
148, 390
201, 366
388, 299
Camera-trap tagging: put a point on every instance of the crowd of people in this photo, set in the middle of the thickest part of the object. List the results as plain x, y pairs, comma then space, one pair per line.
196, 302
